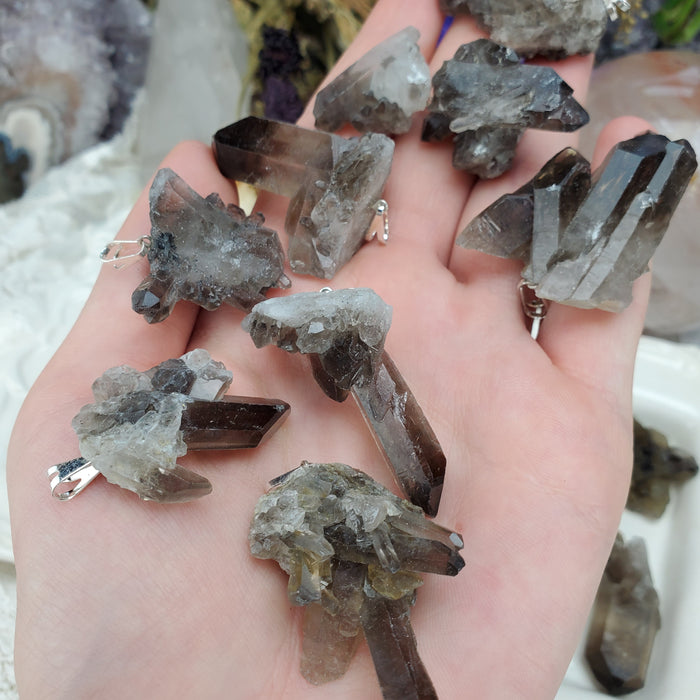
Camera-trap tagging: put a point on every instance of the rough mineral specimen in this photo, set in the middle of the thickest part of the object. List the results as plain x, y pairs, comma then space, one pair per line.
204, 251
334, 184
381, 91
486, 97
553, 28
587, 238
343, 332
656, 467
353, 551
141, 422
625, 620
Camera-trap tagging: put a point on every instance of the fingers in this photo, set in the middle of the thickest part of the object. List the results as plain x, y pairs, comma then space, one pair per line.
597, 346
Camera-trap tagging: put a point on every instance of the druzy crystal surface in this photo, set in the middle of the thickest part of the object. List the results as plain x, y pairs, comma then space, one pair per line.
585, 238
553, 28
141, 422
625, 620
353, 552
485, 97
334, 184
343, 333
657, 466
204, 251
381, 91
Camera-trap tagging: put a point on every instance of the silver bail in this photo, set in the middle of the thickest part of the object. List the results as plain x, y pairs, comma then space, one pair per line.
75, 474
534, 307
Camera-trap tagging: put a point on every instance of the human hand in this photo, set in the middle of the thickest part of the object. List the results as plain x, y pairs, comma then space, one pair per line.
117, 596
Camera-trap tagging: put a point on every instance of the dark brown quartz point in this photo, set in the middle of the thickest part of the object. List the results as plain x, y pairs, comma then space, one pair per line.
485, 98
343, 333
353, 551
657, 466
205, 252
625, 620
585, 238
141, 422
334, 184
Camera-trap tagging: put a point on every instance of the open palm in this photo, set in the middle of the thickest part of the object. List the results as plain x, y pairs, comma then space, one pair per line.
119, 597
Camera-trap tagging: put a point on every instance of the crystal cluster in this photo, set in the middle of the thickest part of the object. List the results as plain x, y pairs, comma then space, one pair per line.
656, 467
554, 28
334, 184
585, 238
343, 333
203, 251
625, 620
353, 552
343, 330
485, 98
141, 422
381, 91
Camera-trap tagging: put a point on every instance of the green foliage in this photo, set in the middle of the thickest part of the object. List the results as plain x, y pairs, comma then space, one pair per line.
678, 21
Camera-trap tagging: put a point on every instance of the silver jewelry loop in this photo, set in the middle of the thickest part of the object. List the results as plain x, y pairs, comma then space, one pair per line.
75, 474
382, 209
533, 306
117, 252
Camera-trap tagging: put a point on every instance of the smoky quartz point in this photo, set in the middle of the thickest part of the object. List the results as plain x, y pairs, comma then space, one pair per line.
141, 422
584, 238
657, 466
343, 333
334, 184
485, 98
625, 620
381, 91
203, 251
552, 28
354, 553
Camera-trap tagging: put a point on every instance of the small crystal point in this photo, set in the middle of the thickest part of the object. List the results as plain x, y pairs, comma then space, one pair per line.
585, 238
234, 422
488, 98
387, 628
379, 92
403, 434
553, 28
333, 182
203, 251
344, 541
657, 466
625, 620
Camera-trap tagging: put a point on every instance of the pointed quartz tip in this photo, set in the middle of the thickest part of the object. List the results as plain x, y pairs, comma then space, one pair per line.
381, 91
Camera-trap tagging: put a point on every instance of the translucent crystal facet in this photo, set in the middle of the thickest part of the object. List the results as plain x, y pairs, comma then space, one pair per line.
204, 251
585, 238
141, 422
381, 91
553, 28
334, 184
625, 620
485, 98
343, 333
353, 552
657, 466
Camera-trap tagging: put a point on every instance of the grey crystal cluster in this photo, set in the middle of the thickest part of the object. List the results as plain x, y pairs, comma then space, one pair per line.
553, 28
584, 238
625, 620
344, 330
334, 184
657, 466
343, 334
484, 98
354, 553
381, 91
132, 434
203, 251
